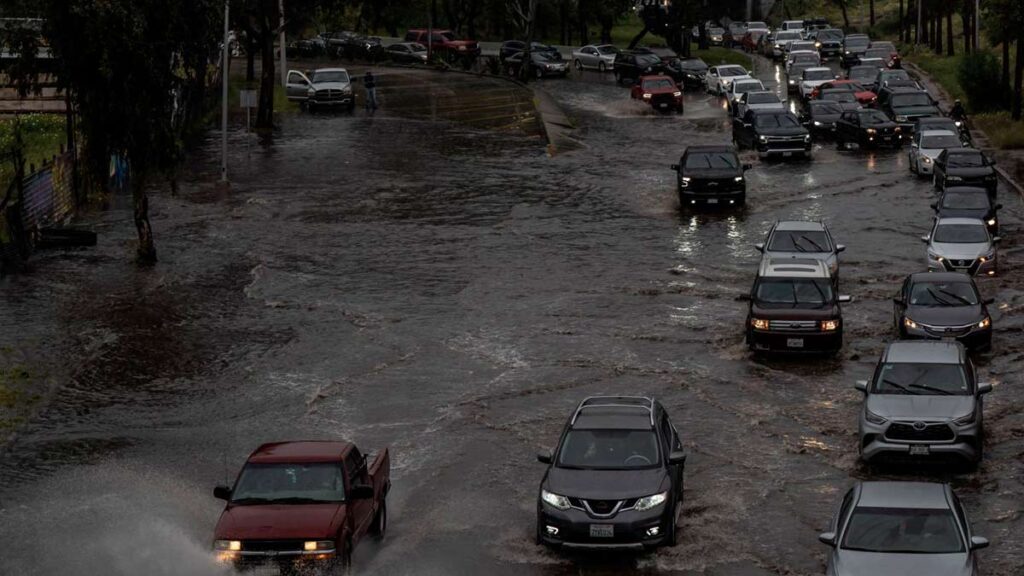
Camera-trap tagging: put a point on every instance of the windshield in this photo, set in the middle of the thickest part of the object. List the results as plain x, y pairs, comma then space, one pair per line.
799, 241
906, 100
965, 160
821, 107
845, 95
943, 294
762, 98
609, 449
718, 160
732, 71
922, 379
805, 59
873, 118
969, 201
776, 121
788, 35
330, 76
647, 59
818, 74
794, 292
961, 233
693, 64
659, 83
607, 49
903, 531
876, 53
941, 141
296, 483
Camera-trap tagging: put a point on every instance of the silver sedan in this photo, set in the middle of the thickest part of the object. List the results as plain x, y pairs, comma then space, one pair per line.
598, 57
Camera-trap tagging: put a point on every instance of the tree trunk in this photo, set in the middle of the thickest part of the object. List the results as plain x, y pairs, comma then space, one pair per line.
636, 39
902, 22
250, 58
965, 20
938, 32
1004, 79
265, 108
146, 253
846, 16
606, 30
1018, 79
950, 50
871, 10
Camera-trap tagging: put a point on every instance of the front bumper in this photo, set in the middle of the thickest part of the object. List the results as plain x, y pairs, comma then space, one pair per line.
339, 101
780, 341
284, 561
874, 444
629, 528
973, 267
971, 336
703, 196
782, 149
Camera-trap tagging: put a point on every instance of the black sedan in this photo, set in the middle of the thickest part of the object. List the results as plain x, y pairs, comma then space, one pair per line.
512, 47
821, 116
936, 305
687, 72
968, 202
965, 167
868, 128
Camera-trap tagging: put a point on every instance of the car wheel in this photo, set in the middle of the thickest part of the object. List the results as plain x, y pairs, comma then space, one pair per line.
601, 67
539, 73
578, 65
380, 522
672, 538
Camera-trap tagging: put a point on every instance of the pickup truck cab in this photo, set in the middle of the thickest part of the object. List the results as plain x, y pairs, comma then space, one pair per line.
772, 133
660, 92
325, 87
302, 506
445, 43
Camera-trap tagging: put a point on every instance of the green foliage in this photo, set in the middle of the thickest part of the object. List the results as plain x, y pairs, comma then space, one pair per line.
41, 137
1002, 131
979, 76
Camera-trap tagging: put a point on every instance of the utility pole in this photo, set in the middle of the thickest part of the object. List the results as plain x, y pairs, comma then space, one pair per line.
224, 100
284, 62
977, 19
917, 37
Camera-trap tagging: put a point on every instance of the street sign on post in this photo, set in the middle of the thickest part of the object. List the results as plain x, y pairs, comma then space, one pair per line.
247, 100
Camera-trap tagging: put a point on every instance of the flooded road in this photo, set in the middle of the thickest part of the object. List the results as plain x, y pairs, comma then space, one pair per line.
450, 290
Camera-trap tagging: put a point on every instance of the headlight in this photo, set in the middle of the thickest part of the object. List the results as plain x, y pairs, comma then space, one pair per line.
871, 131
991, 221
966, 420
791, 81
228, 545
759, 323
817, 44
462, 48
935, 256
816, 123
847, 52
926, 160
873, 418
556, 500
311, 91
901, 118
985, 323
762, 138
647, 96
829, 325
738, 179
314, 545
910, 323
346, 90
677, 94
807, 138
958, 123
648, 502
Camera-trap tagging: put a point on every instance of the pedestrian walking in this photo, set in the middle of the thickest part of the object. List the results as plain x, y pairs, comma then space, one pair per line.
370, 83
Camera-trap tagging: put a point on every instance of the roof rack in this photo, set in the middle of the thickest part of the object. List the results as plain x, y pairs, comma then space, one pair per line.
640, 402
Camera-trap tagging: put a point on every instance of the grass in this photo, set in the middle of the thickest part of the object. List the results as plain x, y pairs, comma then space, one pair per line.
42, 136
943, 69
1002, 132
717, 55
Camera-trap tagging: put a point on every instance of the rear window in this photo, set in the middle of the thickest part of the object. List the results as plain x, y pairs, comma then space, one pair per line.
857, 42
762, 98
965, 201
903, 531
839, 96
908, 100
966, 161
825, 107
818, 75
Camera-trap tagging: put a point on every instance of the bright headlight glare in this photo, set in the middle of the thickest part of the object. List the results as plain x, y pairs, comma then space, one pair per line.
647, 96
759, 323
314, 545
648, 502
901, 118
738, 179
229, 545
556, 500
762, 138
816, 123
909, 323
926, 160
985, 323
829, 325
991, 221
871, 131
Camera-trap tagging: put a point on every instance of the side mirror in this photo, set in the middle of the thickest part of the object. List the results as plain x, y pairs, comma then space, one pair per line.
925, 238
222, 492
844, 299
544, 457
677, 458
840, 248
934, 206
861, 385
996, 239
984, 388
977, 542
361, 492
827, 538
749, 166
997, 207
988, 301
759, 246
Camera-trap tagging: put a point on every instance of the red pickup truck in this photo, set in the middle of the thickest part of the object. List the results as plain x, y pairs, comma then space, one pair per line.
301, 506
444, 42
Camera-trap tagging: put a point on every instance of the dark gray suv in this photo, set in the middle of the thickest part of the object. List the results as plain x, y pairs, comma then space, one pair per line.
924, 401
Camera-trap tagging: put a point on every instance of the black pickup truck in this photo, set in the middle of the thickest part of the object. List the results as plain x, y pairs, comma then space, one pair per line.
772, 133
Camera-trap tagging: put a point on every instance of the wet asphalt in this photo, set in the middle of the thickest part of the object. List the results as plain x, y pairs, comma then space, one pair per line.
442, 286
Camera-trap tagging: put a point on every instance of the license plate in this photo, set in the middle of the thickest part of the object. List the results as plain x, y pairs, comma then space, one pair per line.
787, 154
919, 450
602, 530
712, 200
662, 105
795, 342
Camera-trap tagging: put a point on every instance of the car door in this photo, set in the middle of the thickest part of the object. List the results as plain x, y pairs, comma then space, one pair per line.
297, 85
360, 510
836, 526
940, 167
589, 57
740, 129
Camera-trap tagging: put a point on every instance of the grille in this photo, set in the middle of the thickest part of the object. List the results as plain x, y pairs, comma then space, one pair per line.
793, 325
329, 94
272, 545
930, 432
960, 265
941, 331
602, 506
662, 99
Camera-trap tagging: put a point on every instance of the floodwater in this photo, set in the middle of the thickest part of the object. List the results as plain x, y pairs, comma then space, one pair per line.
445, 288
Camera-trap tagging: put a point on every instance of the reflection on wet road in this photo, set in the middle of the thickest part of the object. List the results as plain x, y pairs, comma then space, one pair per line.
453, 292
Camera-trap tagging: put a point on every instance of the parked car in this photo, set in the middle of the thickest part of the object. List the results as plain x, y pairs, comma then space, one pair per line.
868, 128
758, 100
616, 478
943, 305
407, 53
302, 505
969, 202
687, 72
543, 65
719, 78
598, 57
863, 96
854, 46
630, 66
446, 44
947, 422
782, 40
331, 87
802, 239
660, 92
829, 41
314, 47
794, 307
962, 245
904, 105
820, 116
814, 77
738, 88
772, 133
901, 528
964, 167
711, 175
716, 36
511, 47
926, 146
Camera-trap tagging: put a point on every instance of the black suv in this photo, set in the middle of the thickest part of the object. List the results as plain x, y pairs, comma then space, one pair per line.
906, 105
616, 478
868, 128
772, 132
711, 175
965, 167
854, 46
631, 65
687, 72
969, 202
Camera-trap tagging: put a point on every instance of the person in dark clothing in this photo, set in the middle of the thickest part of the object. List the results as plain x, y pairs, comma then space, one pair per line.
370, 83
958, 112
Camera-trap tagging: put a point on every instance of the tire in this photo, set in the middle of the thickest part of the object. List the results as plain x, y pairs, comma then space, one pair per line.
601, 67
578, 65
380, 522
672, 538
539, 74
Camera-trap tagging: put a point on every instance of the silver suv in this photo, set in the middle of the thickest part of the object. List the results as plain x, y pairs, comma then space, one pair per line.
802, 239
924, 401
962, 245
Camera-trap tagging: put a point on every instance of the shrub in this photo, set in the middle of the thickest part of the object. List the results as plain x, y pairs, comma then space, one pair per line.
979, 77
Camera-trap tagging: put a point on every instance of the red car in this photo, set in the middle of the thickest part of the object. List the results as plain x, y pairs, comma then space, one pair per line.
751, 39
299, 506
864, 96
445, 42
661, 92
